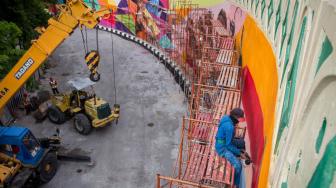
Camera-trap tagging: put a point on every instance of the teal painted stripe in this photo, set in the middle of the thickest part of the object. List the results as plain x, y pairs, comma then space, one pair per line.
297, 166
290, 41
284, 27
325, 171
284, 185
326, 50
270, 12
277, 18
256, 7
320, 136
263, 5
290, 87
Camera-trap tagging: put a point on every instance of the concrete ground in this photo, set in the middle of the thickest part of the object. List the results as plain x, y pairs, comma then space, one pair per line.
128, 154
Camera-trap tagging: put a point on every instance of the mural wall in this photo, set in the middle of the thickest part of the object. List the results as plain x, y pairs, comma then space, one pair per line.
144, 18
259, 94
287, 52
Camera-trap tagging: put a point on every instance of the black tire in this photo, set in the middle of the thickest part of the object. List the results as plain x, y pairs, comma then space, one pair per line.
82, 124
48, 167
95, 77
55, 115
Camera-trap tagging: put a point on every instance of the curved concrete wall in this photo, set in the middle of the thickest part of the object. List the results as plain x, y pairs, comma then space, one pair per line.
301, 153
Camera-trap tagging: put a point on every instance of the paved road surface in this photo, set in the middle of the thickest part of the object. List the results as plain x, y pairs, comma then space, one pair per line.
129, 154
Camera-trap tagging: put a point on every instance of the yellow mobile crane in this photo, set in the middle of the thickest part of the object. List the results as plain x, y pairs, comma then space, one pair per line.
89, 112
72, 14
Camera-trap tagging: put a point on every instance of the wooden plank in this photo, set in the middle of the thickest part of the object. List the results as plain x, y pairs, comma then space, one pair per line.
203, 127
224, 56
221, 76
200, 126
203, 164
219, 102
234, 78
231, 44
223, 103
223, 70
209, 165
212, 151
198, 173
219, 55
227, 44
230, 104
191, 163
230, 58
215, 170
236, 103
194, 162
231, 77
226, 103
228, 77
221, 169
209, 119
223, 53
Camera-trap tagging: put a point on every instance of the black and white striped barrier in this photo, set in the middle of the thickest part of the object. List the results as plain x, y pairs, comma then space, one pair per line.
169, 64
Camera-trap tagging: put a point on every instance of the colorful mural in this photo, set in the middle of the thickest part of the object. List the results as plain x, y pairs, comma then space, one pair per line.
259, 95
144, 18
294, 76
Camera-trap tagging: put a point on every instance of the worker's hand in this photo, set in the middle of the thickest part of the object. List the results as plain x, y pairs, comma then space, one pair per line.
244, 154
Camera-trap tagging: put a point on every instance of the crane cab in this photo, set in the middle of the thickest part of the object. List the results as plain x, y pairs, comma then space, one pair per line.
20, 143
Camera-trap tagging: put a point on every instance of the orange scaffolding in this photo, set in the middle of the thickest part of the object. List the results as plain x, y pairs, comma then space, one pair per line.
209, 61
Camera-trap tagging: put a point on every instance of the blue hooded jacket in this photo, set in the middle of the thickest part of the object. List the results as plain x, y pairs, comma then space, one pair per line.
225, 135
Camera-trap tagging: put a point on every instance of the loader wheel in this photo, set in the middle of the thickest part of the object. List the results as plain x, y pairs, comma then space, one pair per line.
55, 115
48, 167
82, 124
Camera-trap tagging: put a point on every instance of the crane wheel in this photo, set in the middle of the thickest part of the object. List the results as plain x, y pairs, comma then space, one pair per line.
48, 167
55, 115
95, 77
82, 124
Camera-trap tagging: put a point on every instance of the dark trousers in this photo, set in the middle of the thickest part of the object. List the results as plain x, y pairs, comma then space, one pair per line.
239, 143
55, 90
28, 108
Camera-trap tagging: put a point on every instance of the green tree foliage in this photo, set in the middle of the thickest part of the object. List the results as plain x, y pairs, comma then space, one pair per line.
18, 19
9, 53
27, 15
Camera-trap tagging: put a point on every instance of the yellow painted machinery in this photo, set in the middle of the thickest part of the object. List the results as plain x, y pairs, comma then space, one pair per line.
72, 14
89, 111
9, 166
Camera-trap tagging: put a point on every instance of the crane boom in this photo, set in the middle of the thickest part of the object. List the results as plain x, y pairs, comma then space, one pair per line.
72, 14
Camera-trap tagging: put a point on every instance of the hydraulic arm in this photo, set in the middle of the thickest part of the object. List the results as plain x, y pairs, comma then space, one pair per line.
72, 14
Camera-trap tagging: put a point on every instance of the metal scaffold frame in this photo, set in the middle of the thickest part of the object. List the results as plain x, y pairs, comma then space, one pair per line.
208, 58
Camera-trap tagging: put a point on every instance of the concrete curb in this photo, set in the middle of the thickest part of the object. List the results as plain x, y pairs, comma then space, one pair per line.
165, 60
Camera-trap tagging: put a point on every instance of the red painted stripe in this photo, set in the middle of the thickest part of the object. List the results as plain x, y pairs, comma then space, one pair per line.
254, 120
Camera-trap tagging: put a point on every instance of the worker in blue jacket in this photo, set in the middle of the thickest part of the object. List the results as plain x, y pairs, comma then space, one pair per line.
224, 146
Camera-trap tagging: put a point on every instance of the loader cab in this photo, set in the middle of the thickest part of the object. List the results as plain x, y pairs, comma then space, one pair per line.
20, 143
78, 97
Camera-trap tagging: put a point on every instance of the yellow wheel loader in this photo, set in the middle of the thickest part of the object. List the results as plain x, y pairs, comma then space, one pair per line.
88, 110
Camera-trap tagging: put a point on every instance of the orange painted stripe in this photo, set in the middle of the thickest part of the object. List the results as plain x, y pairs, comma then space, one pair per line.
258, 56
